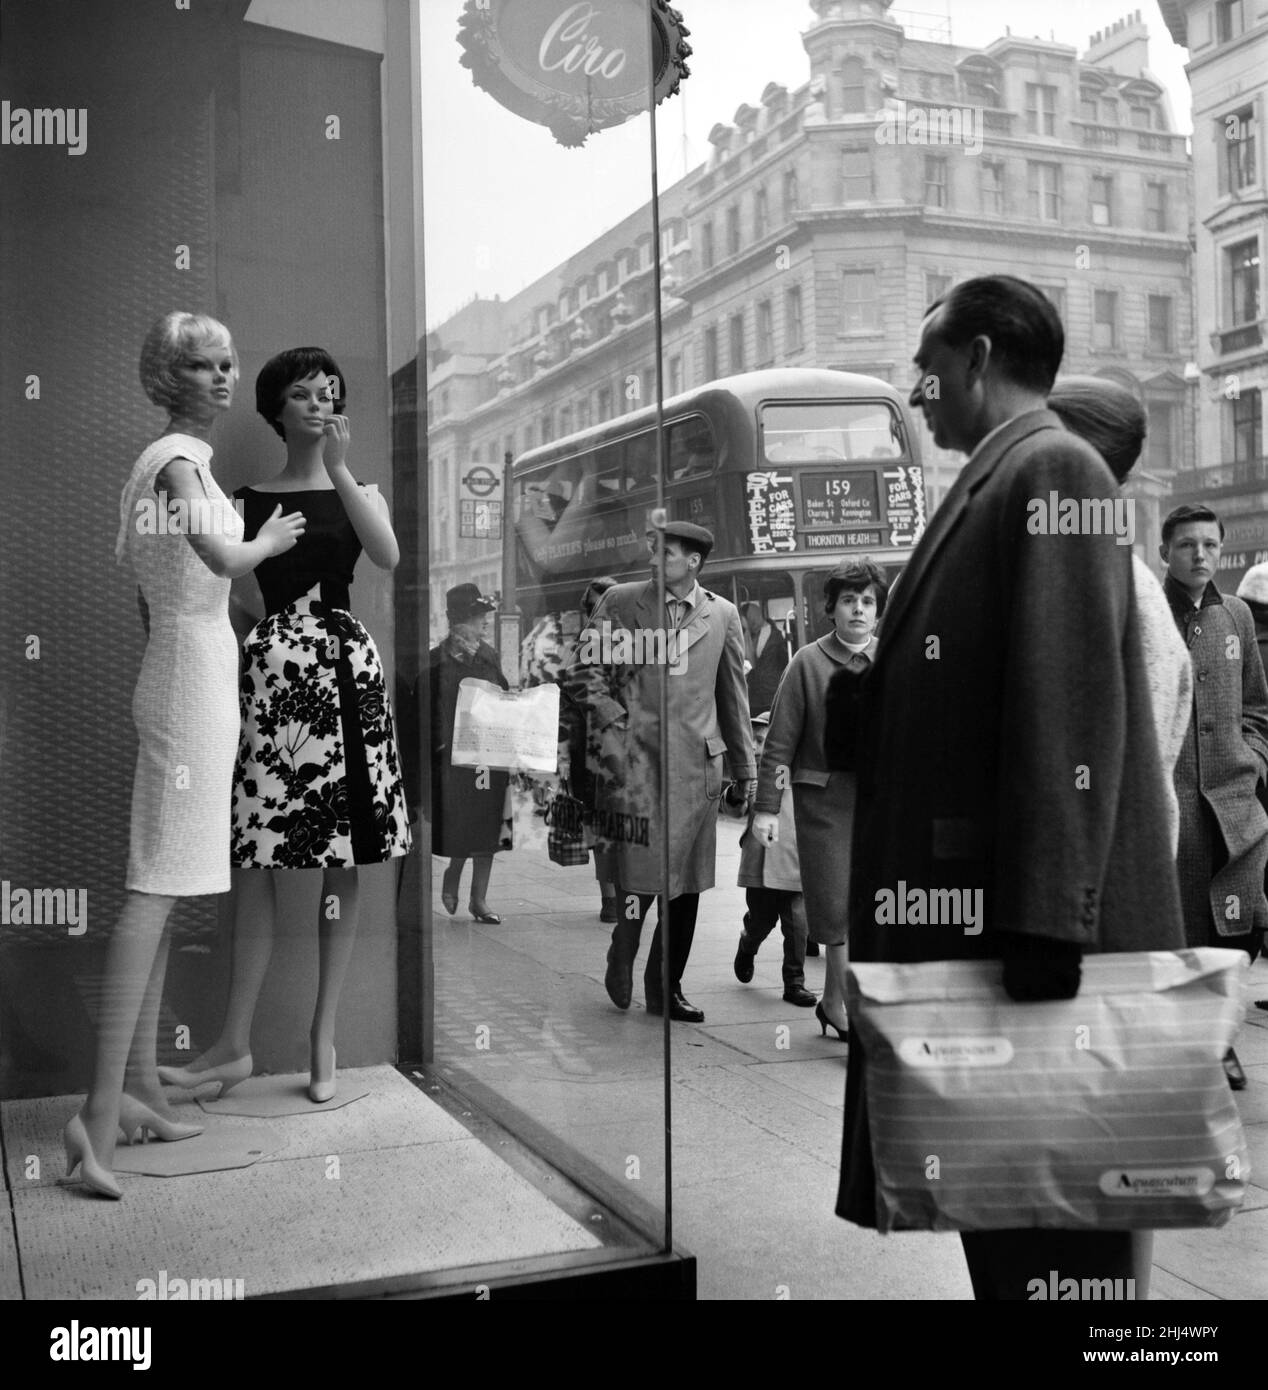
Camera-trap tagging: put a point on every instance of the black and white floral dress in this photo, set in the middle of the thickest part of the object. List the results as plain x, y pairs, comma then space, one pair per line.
318, 778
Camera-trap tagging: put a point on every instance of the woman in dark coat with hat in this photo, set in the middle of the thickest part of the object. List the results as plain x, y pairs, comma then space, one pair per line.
466, 802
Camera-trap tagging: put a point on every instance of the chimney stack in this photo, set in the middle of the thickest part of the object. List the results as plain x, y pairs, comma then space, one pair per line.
1123, 47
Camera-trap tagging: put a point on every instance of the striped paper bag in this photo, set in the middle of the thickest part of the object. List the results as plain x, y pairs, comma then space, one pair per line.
1108, 1111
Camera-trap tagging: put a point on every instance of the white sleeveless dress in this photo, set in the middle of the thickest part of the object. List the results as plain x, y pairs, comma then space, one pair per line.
186, 701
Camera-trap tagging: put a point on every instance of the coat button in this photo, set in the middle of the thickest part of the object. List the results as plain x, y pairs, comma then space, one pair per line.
1201, 675
1197, 629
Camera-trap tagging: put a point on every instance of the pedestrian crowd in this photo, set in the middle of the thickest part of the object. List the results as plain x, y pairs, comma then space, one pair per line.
1028, 711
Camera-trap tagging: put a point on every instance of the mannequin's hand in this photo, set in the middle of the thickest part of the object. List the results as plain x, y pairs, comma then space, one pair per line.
279, 533
334, 452
766, 828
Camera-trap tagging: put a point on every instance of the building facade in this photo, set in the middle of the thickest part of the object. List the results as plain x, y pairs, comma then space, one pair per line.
1228, 71
824, 223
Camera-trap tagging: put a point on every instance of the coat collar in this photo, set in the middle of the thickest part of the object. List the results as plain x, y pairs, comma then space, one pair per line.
1182, 606
646, 603
831, 648
981, 464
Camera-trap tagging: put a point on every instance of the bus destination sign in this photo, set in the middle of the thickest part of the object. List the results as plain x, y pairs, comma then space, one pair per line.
839, 500
843, 540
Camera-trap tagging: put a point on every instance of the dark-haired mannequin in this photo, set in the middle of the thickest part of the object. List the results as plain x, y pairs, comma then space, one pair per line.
318, 782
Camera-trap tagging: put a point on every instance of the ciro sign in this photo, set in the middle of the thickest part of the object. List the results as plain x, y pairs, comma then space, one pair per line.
575, 68
481, 482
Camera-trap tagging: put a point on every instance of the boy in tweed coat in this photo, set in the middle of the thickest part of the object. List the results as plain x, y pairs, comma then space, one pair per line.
1223, 827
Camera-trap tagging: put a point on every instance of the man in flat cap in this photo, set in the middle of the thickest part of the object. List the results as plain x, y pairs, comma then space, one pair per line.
614, 674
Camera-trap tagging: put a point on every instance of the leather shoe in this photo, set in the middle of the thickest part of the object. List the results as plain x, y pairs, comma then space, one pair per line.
1233, 1071
618, 980
799, 995
744, 957
679, 1009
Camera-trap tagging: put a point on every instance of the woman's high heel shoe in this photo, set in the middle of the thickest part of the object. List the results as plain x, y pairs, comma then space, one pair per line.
79, 1155
229, 1075
136, 1117
319, 1092
450, 901
825, 1023
484, 915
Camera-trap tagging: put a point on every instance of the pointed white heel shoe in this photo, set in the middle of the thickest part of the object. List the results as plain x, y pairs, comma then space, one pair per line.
229, 1075
137, 1118
79, 1155
319, 1092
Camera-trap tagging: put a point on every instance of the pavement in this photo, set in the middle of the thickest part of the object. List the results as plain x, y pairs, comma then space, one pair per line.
756, 1093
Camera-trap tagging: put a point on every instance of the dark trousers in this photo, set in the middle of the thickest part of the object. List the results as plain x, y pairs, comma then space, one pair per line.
682, 931
1002, 1263
768, 907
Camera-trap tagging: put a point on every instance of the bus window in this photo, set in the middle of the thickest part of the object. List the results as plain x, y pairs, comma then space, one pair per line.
544, 499
773, 594
640, 461
691, 449
832, 432
607, 479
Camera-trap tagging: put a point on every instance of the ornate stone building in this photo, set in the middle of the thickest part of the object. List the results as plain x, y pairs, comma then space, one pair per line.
1228, 72
825, 221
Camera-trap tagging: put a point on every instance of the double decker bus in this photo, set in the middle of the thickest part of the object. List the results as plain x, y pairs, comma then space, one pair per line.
792, 470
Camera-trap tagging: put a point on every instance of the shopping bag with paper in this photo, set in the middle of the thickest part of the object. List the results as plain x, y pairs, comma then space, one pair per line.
511, 730
1107, 1111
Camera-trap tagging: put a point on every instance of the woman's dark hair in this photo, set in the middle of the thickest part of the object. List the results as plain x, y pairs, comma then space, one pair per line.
1027, 340
1104, 413
280, 373
857, 576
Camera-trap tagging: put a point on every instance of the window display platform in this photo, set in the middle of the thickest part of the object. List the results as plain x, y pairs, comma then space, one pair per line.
393, 1196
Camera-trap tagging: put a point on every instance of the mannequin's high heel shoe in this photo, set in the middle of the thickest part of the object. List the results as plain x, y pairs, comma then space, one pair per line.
229, 1075
136, 1117
825, 1023
319, 1092
79, 1155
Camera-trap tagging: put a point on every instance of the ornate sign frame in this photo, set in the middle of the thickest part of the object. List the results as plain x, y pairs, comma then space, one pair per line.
572, 82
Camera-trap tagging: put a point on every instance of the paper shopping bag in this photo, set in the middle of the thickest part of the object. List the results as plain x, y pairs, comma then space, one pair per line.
512, 730
1107, 1111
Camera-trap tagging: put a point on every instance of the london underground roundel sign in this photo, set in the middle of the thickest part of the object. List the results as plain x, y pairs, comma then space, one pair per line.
575, 67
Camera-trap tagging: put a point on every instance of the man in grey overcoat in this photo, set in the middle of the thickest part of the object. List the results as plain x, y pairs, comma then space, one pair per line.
614, 674
1222, 765
1006, 740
